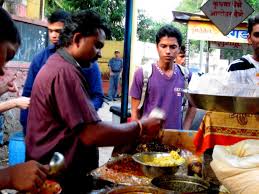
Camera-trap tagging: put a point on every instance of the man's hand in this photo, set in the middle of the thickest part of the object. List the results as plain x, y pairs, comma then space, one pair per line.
27, 176
11, 87
21, 102
151, 126
8, 86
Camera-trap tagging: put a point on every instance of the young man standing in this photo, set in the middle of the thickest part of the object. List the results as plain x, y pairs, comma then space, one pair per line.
181, 56
165, 84
246, 69
92, 75
115, 67
62, 117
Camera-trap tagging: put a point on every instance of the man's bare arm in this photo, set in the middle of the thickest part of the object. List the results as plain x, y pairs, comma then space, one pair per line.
134, 109
109, 134
190, 114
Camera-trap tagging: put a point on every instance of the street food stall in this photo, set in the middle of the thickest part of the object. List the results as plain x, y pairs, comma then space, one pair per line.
140, 172
165, 164
125, 170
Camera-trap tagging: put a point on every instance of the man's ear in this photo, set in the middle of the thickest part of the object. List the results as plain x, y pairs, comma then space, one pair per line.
76, 38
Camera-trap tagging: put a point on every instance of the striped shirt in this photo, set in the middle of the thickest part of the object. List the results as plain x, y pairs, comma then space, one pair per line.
243, 70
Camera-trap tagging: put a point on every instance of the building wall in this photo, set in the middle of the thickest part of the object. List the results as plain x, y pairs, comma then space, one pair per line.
33, 9
24, 8
107, 54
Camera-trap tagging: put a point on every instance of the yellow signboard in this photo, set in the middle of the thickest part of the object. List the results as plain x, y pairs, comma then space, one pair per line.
209, 32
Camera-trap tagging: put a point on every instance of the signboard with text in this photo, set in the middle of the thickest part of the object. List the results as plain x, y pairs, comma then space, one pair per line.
227, 14
209, 32
230, 45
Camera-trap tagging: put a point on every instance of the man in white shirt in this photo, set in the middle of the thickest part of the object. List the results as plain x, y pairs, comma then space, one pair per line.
246, 69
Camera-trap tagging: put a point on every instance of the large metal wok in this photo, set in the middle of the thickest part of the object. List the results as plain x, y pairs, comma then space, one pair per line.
233, 104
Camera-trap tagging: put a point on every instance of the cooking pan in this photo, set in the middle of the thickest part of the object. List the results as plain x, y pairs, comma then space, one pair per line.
136, 190
232, 104
181, 184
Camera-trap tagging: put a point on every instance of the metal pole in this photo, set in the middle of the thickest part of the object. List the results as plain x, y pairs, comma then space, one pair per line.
126, 61
208, 57
201, 55
187, 53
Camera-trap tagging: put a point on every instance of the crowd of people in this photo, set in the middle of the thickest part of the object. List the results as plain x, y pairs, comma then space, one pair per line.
63, 92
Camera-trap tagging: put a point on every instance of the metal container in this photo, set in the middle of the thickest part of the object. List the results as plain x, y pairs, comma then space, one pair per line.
136, 190
56, 164
154, 170
181, 184
232, 104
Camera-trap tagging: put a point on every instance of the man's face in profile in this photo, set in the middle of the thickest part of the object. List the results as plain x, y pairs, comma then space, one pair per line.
88, 49
253, 39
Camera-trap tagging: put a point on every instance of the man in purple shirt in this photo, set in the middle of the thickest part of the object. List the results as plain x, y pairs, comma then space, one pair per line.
165, 84
62, 117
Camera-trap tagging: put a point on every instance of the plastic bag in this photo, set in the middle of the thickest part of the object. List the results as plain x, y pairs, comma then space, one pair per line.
244, 154
237, 166
219, 84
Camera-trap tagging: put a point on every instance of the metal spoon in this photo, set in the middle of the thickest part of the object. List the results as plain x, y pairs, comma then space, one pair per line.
56, 163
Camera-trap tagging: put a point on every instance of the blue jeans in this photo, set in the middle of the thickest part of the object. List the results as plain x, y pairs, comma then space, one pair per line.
114, 81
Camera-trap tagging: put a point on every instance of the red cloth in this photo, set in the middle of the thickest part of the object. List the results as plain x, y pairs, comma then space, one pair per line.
215, 130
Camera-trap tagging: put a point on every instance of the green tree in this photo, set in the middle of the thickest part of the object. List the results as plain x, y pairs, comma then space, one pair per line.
113, 11
190, 6
146, 27
255, 5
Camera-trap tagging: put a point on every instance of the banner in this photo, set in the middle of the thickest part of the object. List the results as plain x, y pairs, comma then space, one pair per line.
207, 31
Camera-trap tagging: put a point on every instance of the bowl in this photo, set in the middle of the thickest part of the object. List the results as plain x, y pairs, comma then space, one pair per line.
136, 190
153, 170
231, 104
181, 184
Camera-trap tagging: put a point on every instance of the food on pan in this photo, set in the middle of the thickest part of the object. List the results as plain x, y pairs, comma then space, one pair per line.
50, 187
174, 159
122, 170
155, 146
126, 165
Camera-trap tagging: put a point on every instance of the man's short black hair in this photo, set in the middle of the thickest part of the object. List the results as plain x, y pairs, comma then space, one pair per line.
8, 29
59, 16
182, 49
169, 31
86, 22
251, 22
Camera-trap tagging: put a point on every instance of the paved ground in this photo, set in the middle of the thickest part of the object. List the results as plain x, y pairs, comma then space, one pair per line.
106, 115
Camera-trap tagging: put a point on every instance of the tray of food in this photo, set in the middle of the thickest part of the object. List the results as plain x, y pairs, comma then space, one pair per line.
122, 170
232, 104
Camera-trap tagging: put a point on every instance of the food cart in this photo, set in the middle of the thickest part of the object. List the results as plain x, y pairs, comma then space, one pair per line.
123, 171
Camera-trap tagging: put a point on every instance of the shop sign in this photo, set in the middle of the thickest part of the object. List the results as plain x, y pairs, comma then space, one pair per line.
229, 45
198, 30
